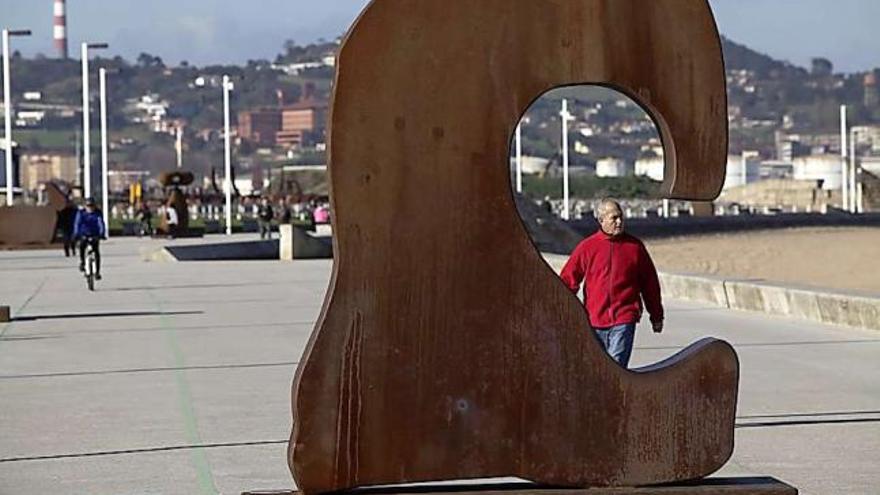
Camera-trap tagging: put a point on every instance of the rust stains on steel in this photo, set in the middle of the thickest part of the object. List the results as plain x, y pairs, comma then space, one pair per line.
446, 349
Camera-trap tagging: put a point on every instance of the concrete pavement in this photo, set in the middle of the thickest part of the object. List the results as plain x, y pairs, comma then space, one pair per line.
175, 379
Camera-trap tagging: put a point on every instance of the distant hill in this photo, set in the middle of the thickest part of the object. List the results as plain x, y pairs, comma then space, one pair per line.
741, 57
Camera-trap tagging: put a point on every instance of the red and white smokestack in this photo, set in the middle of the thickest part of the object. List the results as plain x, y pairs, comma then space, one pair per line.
60, 29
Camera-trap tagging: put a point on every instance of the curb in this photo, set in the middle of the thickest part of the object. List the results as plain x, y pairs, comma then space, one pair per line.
161, 255
836, 308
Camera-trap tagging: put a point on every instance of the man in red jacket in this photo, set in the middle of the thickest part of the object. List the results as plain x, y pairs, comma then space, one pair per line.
617, 274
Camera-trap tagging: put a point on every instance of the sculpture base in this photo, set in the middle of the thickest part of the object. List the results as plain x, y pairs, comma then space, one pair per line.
713, 486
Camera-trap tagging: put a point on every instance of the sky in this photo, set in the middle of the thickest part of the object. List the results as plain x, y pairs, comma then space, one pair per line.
224, 31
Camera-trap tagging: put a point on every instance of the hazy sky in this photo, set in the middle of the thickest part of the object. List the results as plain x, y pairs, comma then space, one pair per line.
220, 31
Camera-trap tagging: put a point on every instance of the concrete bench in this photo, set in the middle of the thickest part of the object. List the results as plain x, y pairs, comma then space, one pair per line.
297, 243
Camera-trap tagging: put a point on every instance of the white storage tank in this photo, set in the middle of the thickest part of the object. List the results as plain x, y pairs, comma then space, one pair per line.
653, 167
742, 170
531, 164
612, 167
826, 168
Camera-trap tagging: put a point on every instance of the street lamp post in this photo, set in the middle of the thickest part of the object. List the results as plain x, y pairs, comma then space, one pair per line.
7, 106
178, 145
844, 176
519, 158
566, 118
87, 159
227, 87
105, 191
855, 176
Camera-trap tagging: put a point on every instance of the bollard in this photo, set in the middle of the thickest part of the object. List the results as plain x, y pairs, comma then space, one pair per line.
5, 314
285, 246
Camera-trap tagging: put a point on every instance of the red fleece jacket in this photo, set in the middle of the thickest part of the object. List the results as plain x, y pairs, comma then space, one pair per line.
616, 271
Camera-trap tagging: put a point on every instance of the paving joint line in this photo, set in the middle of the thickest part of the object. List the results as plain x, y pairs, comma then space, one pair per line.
67, 374
150, 450
197, 455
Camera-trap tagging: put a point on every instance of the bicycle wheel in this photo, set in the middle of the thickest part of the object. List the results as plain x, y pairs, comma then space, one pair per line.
90, 273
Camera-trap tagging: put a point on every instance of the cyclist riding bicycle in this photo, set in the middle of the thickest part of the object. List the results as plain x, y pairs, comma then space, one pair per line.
88, 230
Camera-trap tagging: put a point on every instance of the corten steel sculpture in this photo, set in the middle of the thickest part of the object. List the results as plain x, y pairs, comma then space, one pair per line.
27, 225
447, 348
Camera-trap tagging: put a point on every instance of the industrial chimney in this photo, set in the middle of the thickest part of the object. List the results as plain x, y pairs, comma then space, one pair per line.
60, 29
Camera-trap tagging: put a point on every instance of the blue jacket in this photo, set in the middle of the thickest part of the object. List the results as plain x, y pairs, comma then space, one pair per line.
89, 224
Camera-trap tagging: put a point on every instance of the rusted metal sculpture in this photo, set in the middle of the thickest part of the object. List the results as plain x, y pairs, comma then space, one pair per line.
28, 225
447, 348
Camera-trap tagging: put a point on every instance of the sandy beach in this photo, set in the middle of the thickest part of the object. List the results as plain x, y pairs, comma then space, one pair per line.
836, 258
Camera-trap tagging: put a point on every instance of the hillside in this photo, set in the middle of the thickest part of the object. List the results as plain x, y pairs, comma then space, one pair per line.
763, 93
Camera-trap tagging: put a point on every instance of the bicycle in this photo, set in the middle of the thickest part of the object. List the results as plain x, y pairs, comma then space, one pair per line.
91, 262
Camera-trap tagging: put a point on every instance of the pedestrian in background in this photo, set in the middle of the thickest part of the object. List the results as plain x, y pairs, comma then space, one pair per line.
145, 216
265, 214
66, 221
172, 220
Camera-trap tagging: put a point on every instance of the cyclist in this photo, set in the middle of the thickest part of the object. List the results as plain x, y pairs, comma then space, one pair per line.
89, 229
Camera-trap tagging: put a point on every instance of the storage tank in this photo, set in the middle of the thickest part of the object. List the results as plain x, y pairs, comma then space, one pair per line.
742, 170
531, 164
653, 167
612, 167
826, 168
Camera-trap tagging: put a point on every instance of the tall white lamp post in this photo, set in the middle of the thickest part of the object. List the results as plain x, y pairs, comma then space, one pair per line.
105, 189
87, 159
519, 158
844, 175
7, 106
227, 87
566, 118
855, 176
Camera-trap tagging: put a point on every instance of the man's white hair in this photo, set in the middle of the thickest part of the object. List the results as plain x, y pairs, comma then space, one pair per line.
605, 206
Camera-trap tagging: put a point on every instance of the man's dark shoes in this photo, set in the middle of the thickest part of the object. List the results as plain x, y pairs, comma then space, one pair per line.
82, 267
98, 276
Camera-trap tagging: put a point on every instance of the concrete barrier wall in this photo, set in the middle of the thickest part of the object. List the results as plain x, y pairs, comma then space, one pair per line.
707, 290
657, 228
836, 308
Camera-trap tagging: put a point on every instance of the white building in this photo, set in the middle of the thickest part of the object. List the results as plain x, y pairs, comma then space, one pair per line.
653, 167
742, 169
29, 118
868, 135
777, 169
870, 164
613, 167
826, 168
531, 164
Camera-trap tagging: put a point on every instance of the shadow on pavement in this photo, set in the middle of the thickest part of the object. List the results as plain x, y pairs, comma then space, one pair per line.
105, 315
807, 422
193, 286
804, 419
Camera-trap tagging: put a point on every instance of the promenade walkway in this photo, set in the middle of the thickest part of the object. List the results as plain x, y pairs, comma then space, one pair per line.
174, 378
